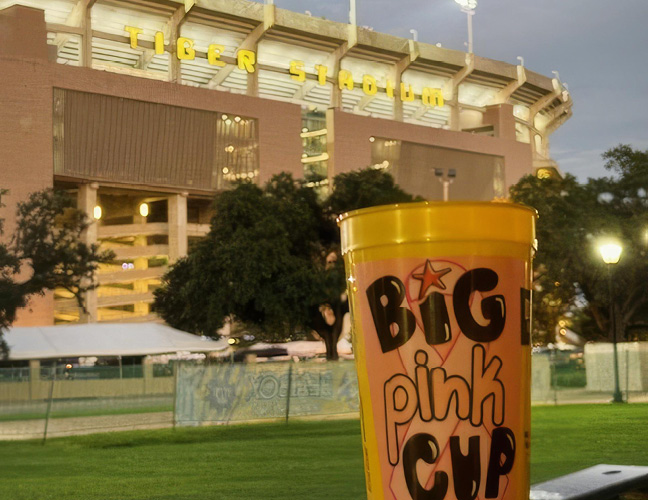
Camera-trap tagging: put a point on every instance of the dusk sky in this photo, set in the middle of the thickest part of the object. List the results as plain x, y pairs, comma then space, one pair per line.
597, 46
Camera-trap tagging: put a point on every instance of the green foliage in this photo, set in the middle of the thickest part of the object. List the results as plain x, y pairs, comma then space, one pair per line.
364, 188
254, 265
630, 165
560, 228
271, 260
47, 239
573, 220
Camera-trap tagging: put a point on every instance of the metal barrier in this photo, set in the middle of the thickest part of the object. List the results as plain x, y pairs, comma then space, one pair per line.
573, 377
58, 401
244, 392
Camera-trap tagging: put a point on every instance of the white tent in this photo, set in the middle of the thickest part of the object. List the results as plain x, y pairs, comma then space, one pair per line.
305, 348
104, 339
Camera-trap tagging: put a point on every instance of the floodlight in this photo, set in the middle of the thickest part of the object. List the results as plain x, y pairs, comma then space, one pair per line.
467, 4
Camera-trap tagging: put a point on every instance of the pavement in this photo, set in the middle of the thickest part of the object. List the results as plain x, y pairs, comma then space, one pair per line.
59, 427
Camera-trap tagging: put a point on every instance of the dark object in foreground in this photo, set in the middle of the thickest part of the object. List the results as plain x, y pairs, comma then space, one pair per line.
268, 352
601, 482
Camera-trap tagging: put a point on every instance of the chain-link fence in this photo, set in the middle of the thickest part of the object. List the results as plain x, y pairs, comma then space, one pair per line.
588, 375
59, 400
244, 392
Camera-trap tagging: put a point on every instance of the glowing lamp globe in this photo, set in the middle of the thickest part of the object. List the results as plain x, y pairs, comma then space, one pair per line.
467, 4
610, 252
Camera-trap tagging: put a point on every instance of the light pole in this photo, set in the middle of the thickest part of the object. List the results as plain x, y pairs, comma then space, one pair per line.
445, 178
611, 253
352, 12
469, 6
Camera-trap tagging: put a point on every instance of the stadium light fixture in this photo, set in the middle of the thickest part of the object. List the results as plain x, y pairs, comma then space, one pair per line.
467, 4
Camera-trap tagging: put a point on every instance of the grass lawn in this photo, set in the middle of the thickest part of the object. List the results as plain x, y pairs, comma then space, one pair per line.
301, 460
568, 438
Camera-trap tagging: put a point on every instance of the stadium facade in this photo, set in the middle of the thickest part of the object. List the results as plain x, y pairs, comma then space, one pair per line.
143, 109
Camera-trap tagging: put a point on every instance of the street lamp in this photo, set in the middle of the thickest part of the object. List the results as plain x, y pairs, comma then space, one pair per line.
611, 253
468, 6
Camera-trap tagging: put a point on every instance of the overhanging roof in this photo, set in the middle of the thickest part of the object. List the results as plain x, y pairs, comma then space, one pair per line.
103, 339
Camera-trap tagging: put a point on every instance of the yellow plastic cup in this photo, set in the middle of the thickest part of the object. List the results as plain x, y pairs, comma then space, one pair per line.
440, 302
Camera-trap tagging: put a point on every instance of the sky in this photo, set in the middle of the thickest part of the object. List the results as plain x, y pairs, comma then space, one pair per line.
599, 48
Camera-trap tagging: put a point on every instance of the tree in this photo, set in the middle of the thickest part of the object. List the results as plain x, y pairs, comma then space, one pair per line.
560, 225
574, 218
271, 261
47, 242
364, 188
254, 265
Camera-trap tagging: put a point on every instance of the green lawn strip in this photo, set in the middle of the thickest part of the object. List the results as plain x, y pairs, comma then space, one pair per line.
91, 412
269, 461
568, 438
298, 460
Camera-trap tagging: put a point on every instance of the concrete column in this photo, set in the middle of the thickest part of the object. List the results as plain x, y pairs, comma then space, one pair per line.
336, 97
140, 286
253, 84
455, 111
398, 79
141, 263
177, 215
86, 201
330, 145
500, 116
398, 105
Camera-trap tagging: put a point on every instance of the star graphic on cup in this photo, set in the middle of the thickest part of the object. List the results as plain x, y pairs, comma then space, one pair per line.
430, 277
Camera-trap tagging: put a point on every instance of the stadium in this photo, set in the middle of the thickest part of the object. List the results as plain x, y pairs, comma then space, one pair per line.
144, 109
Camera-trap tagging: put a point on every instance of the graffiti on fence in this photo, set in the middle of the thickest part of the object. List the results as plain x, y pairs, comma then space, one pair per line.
230, 393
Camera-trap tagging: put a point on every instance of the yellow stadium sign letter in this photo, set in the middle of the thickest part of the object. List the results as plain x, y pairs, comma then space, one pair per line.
133, 35
297, 71
214, 52
246, 59
369, 85
406, 93
432, 97
345, 79
321, 73
185, 49
159, 42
